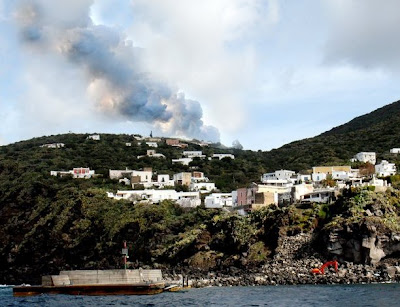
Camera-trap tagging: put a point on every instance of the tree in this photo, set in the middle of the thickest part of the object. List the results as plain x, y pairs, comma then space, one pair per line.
367, 169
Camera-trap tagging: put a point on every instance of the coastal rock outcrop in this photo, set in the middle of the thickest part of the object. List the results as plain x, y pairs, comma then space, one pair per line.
361, 244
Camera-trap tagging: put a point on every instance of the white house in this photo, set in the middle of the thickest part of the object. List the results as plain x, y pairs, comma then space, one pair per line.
128, 144
95, 137
395, 150
221, 156
366, 157
199, 177
152, 153
377, 182
299, 190
138, 137
152, 144
218, 200
76, 172
318, 196
194, 154
82, 172
141, 176
183, 178
385, 169
305, 177
317, 177
184, 199
183, 161
277, 183
53, 145
118, 174
203, 187
164, 180
341, 175
188, 199
279, 175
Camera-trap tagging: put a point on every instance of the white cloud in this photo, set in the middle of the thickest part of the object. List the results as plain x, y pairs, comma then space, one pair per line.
365, 33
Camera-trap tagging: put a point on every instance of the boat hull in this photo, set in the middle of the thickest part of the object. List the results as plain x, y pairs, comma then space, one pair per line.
103, 289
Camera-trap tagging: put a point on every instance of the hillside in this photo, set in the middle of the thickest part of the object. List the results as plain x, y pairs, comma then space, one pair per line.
50, 223
378, 131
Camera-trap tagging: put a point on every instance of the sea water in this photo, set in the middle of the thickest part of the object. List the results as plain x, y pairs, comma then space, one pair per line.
304, 295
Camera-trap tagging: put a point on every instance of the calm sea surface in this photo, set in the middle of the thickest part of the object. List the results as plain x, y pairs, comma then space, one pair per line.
337, 295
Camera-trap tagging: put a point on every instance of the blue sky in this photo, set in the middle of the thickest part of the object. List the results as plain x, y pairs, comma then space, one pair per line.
264, 72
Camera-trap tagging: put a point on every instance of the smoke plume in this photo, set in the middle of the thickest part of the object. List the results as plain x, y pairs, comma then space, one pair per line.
116, 83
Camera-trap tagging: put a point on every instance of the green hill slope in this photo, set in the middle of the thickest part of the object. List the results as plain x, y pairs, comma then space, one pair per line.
378, 131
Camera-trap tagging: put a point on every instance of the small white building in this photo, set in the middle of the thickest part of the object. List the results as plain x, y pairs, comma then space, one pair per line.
304, 177
279, 175
199, 177
152, 144
341, 175
202, 187
299, 190
277, 183
194, 154
152, 153
218, 200
319, 196
395, 150
184, 178
222, 156
385, 169
354, 173
118, 174
184, 199
95, 137
141, 176
165, 181
138, 137
82, 172
128, 144
53, 145
377, 182
366, 157
317, 177
183, 161
189, 199
76, 172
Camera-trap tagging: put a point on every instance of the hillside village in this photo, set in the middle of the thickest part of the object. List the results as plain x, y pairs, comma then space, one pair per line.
282, 187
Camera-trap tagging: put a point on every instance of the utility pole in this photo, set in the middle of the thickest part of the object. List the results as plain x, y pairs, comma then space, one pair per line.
125, 254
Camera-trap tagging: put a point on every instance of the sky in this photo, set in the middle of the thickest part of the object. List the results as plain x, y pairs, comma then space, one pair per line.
263, 72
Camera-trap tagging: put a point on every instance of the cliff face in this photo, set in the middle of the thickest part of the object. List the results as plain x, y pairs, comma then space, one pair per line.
368, 231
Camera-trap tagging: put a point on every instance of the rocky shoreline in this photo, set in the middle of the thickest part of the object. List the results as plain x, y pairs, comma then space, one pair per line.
298, 274
292, 265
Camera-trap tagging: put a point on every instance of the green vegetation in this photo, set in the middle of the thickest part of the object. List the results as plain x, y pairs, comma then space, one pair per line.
378, 131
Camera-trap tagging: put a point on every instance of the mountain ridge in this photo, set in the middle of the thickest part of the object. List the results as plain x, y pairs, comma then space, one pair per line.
377, 131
